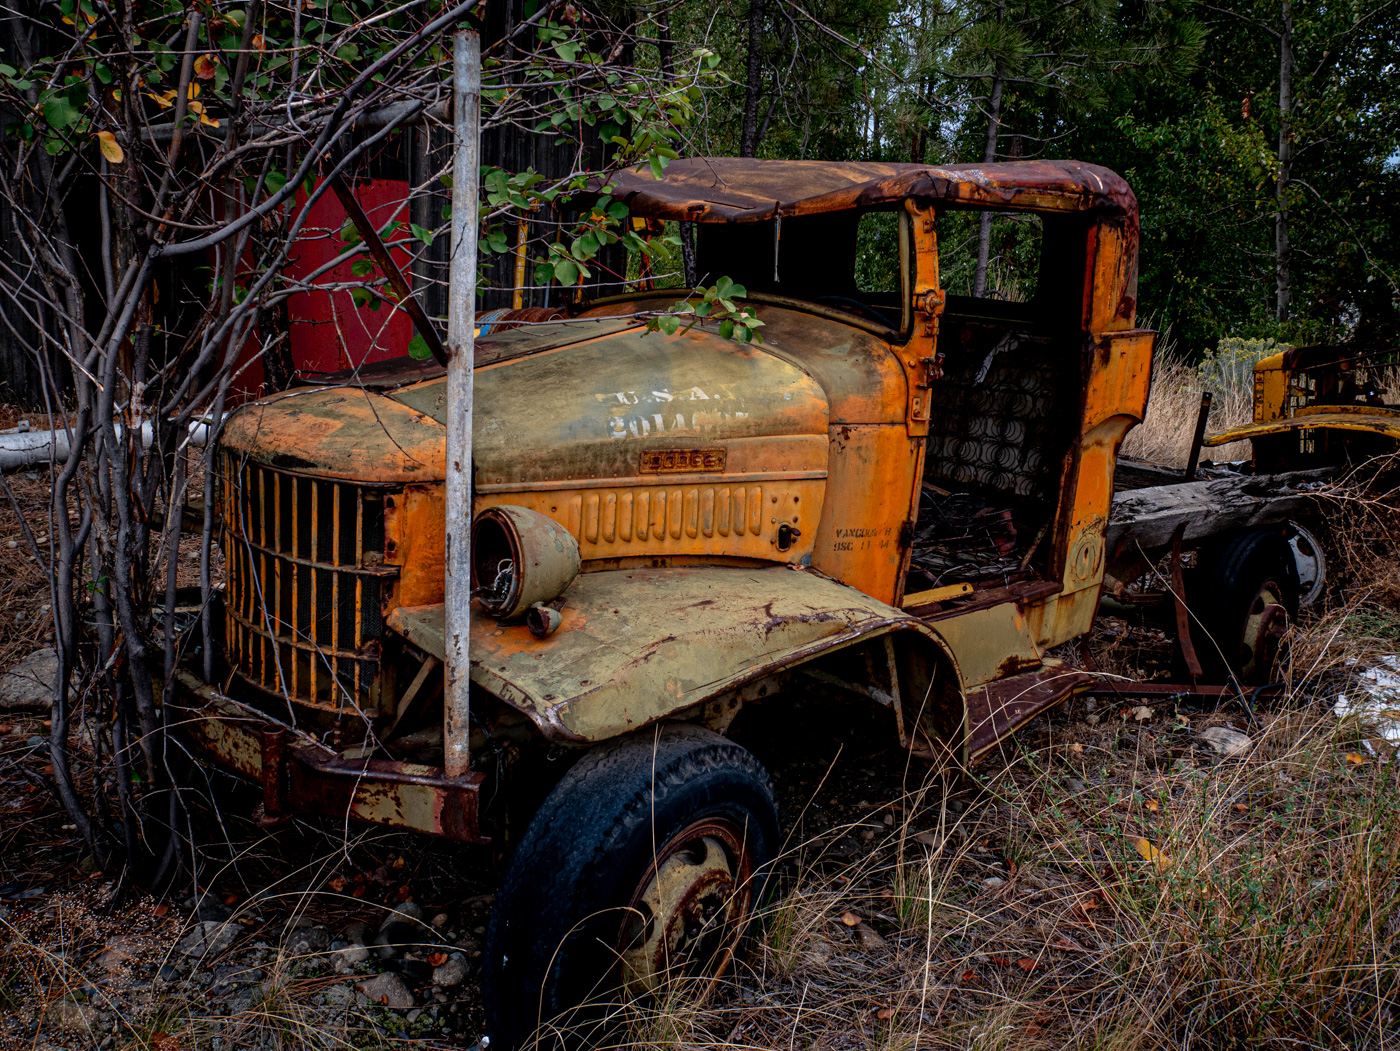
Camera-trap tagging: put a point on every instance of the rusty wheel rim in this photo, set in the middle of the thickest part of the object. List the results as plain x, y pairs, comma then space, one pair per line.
689, 908
1264, 626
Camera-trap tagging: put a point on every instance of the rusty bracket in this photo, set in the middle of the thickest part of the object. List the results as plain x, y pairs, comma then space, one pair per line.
274, 776
381, 255
1183, 615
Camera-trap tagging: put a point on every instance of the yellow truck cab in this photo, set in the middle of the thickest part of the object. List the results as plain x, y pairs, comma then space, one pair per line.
901, 493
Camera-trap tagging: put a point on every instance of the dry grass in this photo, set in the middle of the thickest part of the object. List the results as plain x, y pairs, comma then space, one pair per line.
1164, 436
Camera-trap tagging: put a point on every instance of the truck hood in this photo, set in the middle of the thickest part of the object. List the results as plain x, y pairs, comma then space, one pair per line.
563, 402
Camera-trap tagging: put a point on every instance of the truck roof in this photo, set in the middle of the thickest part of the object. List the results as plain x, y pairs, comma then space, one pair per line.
746, 189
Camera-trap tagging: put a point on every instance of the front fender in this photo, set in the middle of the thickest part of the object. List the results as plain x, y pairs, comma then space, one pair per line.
638, 645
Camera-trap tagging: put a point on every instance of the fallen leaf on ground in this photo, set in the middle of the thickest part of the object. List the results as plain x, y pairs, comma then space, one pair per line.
1357, 758
1077, 749
1027, 965
437, 959
928, 839
885, 1014
1151, 853
1152, 804
850, 919
1065, 943
1000, 961
1142, 713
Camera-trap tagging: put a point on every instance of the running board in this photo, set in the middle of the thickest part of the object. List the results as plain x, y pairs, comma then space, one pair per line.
998, 708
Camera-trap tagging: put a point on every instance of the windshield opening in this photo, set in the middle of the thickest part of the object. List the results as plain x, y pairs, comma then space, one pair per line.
853, 262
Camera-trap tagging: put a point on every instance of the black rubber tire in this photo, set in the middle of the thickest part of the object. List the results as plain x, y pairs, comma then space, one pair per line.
1227, 580
554, 927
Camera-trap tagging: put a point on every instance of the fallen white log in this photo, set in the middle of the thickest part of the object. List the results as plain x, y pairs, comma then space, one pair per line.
24, 448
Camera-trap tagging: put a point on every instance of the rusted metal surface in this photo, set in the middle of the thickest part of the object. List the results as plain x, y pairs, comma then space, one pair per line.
638, 645
520, 558
996, 709
299, 775
1361, 419
738, 189
397, 282
1309, 391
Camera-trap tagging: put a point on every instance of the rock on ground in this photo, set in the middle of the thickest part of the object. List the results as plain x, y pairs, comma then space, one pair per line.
68, 1013
29, 684
387, 989
451, 972
209, 938
307, 941
1225, 741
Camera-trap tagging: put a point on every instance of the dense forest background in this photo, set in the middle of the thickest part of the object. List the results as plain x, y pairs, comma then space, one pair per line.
1263, 140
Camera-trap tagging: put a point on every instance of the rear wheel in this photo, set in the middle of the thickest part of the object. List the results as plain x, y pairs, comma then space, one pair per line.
1246, 595
645, 863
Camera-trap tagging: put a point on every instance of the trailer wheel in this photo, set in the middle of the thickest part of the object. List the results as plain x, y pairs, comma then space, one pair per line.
1246, 596
645, 862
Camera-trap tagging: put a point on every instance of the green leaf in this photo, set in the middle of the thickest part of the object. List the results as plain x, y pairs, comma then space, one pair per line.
587, 244
422, 233
726, 329
668, 324
362, 267
349, 233
566, 271
104, 73
275, 181
724, 287
360, 296
59, 112
8, 71
418, 348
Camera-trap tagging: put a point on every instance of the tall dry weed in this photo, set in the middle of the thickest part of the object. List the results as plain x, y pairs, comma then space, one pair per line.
1173, 404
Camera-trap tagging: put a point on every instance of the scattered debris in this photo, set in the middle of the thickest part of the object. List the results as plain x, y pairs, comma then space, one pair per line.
1377, 703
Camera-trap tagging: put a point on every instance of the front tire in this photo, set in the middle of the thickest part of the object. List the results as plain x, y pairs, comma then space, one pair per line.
645, 862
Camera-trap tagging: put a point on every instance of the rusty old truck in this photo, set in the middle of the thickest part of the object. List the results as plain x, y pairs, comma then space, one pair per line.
901, 495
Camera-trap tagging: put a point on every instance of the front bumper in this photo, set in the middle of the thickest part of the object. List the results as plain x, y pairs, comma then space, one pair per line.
299, 775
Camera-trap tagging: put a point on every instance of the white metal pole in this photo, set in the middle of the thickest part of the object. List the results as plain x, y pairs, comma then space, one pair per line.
461, 320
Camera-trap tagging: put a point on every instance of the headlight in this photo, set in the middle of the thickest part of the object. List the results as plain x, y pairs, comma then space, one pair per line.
519, 558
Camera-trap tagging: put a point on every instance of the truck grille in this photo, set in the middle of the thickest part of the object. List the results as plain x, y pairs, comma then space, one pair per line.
305, 580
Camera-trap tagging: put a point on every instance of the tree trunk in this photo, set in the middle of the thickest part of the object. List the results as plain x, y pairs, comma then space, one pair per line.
664, 45
1285, 161
984, 233
748, 139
